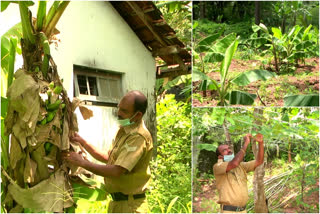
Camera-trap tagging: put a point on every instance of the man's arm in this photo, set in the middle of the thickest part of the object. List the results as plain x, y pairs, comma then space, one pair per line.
98, 169
94, 152
239, 156
260, 157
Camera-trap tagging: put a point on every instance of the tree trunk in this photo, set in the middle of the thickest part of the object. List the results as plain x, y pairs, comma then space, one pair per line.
257, 14
260, 205
283, 25
227, 134
289, 152
202, 8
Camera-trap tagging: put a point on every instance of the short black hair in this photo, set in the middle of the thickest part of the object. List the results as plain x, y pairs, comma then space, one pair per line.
218, 152
140, 102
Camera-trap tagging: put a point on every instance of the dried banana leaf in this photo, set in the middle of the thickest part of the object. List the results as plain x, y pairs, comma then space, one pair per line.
51, 195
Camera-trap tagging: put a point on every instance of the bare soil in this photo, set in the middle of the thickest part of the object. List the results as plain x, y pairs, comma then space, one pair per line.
311, 82
208, 192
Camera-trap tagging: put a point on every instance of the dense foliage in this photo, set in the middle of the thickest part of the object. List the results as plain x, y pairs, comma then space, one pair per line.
171, 170
178, 14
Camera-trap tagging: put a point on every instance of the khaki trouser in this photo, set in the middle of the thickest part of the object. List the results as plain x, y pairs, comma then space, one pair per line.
132, 205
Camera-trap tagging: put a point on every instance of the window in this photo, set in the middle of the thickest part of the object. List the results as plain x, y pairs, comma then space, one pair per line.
100, 87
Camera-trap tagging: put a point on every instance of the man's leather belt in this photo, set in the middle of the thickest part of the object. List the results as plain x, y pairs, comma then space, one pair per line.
233, 208
119, 196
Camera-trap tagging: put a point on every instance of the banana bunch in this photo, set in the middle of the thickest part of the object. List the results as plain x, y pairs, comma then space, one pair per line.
53, 103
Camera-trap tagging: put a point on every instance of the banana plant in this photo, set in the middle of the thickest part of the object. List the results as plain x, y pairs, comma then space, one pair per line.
222, 51
287, 48
37, 113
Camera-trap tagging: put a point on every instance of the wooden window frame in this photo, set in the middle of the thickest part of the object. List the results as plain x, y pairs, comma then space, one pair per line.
96, 73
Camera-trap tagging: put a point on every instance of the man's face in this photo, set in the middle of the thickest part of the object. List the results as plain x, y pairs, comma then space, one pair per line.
225, 150
126, 107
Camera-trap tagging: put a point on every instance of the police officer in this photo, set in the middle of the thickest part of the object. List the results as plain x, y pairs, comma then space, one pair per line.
231, 175
126, 169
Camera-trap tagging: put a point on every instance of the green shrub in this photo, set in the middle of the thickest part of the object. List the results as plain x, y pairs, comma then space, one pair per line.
171, 170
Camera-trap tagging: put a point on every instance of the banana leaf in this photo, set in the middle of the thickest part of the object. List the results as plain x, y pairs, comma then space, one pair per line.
212, 57
227, 61
248, 77
5, 4
206, 82
240, 98
302, 100
204, 44
15, 31
89, 189
222, 44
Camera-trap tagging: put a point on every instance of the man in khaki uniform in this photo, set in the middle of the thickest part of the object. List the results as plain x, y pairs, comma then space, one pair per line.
231, 175
126, 169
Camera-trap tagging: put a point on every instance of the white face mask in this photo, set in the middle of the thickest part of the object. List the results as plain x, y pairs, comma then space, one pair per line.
228, 158
126, 122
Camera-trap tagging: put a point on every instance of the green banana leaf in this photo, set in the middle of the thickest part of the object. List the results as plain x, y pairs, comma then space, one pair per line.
15, 31
227, 60
4, 139
248, 77
5, 4
204, 44
212, 57
93, 191
206, 82
276, 32
221, 45
240, 98
302, 100
264, 28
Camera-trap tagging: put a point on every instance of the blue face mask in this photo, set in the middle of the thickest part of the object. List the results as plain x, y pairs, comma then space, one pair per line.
228, 158
126, 122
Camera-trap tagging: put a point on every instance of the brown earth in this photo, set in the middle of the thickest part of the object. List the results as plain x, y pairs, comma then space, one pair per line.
207, 191
312, 82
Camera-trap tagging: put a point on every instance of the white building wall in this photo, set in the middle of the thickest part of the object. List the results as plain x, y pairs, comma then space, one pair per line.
93, 34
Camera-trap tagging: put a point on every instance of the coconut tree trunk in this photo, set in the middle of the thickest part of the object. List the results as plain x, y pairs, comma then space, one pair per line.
227, 134
260, 205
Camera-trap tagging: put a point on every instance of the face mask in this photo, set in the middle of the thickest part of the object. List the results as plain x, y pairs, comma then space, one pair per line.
228, 158
126, 122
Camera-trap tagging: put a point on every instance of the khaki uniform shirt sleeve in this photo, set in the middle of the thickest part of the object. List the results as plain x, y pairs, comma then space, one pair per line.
220, 168
131, 152
248, 166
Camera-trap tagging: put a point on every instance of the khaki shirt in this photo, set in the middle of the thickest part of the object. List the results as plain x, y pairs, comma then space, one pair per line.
232, 185
132, 150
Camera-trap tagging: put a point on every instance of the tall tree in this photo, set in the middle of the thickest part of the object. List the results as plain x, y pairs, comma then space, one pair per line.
257, 17
260, 205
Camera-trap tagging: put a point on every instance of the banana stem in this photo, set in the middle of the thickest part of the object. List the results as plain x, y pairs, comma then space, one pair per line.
27, 28
41, 14
12, 56
51, 25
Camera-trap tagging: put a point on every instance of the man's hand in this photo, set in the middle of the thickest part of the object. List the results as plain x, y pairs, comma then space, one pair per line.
247, 138
259, 138
73, 158
77, 138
